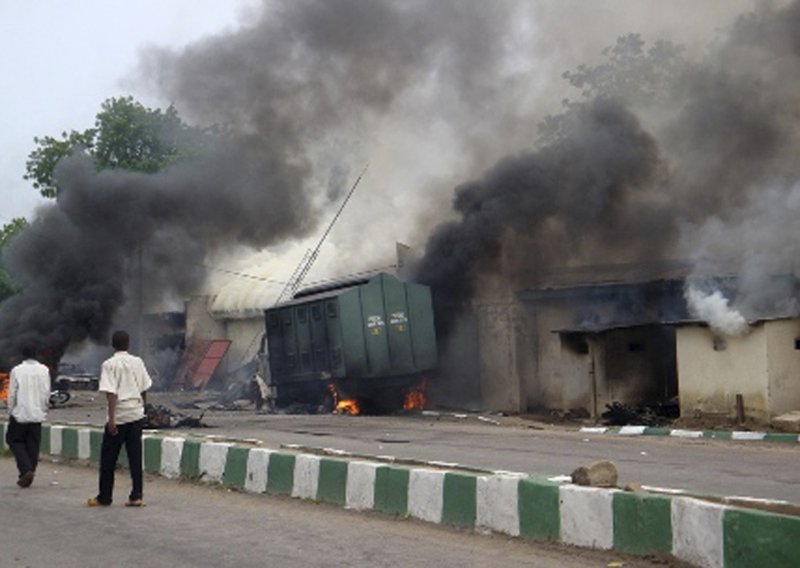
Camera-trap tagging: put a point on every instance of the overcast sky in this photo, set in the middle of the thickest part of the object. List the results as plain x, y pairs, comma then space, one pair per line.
61, 59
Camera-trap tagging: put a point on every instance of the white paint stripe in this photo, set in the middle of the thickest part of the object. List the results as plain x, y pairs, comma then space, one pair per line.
360, 492
426, 494
257, 470
84, 443
56, 437
587, 516
594, 430
686, 433
697, 532
632, 430
560, 479
212, 460
498, 503
306, 476
748, 435
171, 450
663, 490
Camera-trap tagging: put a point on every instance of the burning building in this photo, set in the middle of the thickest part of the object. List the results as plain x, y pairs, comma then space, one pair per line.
658, 152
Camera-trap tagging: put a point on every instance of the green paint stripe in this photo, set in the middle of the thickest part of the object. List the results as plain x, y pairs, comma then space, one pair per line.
235, 467
539, 513
332, 487
391, 490
152, 455
69, 443
656, 431
3, 436
782, 437
642, 523
190, 459
44, 447
460, 503
280, 474
754, 538
95, 443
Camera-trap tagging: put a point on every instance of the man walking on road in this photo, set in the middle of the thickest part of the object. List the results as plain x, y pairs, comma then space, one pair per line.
124, 379
28, 398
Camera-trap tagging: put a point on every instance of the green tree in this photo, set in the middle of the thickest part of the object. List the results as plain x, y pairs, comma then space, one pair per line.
8, 232
126, 135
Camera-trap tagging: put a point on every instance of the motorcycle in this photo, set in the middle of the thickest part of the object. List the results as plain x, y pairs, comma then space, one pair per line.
59, 397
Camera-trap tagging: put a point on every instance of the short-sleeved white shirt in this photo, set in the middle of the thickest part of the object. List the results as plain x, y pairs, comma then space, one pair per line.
125, 375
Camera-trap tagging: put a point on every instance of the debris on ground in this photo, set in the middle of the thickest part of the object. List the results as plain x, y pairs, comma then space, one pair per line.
596, 474
657, 414
789, 422
158, 416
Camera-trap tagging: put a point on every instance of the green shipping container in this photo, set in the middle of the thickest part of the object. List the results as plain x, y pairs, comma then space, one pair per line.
362, 330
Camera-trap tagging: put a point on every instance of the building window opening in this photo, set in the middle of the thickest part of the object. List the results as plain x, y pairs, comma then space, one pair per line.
575, 342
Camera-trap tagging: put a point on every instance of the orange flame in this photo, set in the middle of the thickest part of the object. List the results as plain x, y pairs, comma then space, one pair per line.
348, 406
415, 397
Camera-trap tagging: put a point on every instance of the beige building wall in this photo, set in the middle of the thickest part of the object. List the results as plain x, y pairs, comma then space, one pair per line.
563, 377
199, 322
500, 385
709, 379
783, 359
245, 336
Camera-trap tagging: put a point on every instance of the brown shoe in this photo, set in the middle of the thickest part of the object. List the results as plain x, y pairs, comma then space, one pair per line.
25, 479
93, 502
134, 503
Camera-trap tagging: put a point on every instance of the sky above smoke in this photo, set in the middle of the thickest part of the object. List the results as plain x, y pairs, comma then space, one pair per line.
652, 147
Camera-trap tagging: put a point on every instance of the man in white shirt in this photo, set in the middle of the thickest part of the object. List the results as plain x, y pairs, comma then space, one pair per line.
124, 379
28, 399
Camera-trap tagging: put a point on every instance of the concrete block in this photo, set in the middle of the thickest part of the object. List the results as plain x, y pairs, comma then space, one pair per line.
587, 516
697, 532
596, 474
171, 457
360, 485
789, 422
498, 503
213, 456
257, 470
84, 443
306, 476
426, 494
56, 437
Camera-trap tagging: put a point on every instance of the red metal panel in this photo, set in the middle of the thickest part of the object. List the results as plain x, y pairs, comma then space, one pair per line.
200, 361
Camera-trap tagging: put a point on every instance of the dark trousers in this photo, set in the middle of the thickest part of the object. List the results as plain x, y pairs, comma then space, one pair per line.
23, 438
129, 435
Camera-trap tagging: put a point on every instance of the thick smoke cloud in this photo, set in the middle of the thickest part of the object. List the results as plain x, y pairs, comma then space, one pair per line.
664, 156
299, 96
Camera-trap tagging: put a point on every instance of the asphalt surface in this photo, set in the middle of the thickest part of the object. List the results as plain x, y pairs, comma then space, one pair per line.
186, 525
723, 467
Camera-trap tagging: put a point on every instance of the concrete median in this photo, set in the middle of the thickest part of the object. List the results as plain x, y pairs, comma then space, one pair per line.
697, 531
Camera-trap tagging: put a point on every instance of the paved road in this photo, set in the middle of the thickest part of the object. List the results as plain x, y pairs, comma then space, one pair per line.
753, 469
185, 525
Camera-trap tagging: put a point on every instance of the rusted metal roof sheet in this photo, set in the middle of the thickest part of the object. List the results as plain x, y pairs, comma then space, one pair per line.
200, 360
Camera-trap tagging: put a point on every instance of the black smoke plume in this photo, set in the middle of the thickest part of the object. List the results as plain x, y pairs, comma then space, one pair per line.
663, 157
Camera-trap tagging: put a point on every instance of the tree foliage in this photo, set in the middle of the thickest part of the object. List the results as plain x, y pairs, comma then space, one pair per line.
7, 234
126, 135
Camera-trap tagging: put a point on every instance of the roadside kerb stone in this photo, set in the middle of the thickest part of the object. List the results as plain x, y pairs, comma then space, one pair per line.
211, 464
84, 443
587, 516
426, 494
257, 468
736, 435
691, 529
361, 485
171, 453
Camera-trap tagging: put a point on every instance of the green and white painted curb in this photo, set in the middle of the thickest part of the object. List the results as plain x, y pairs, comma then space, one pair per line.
742, 436
696, 531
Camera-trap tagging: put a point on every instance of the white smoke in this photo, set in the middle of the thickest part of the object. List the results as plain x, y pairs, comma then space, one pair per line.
713, 308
